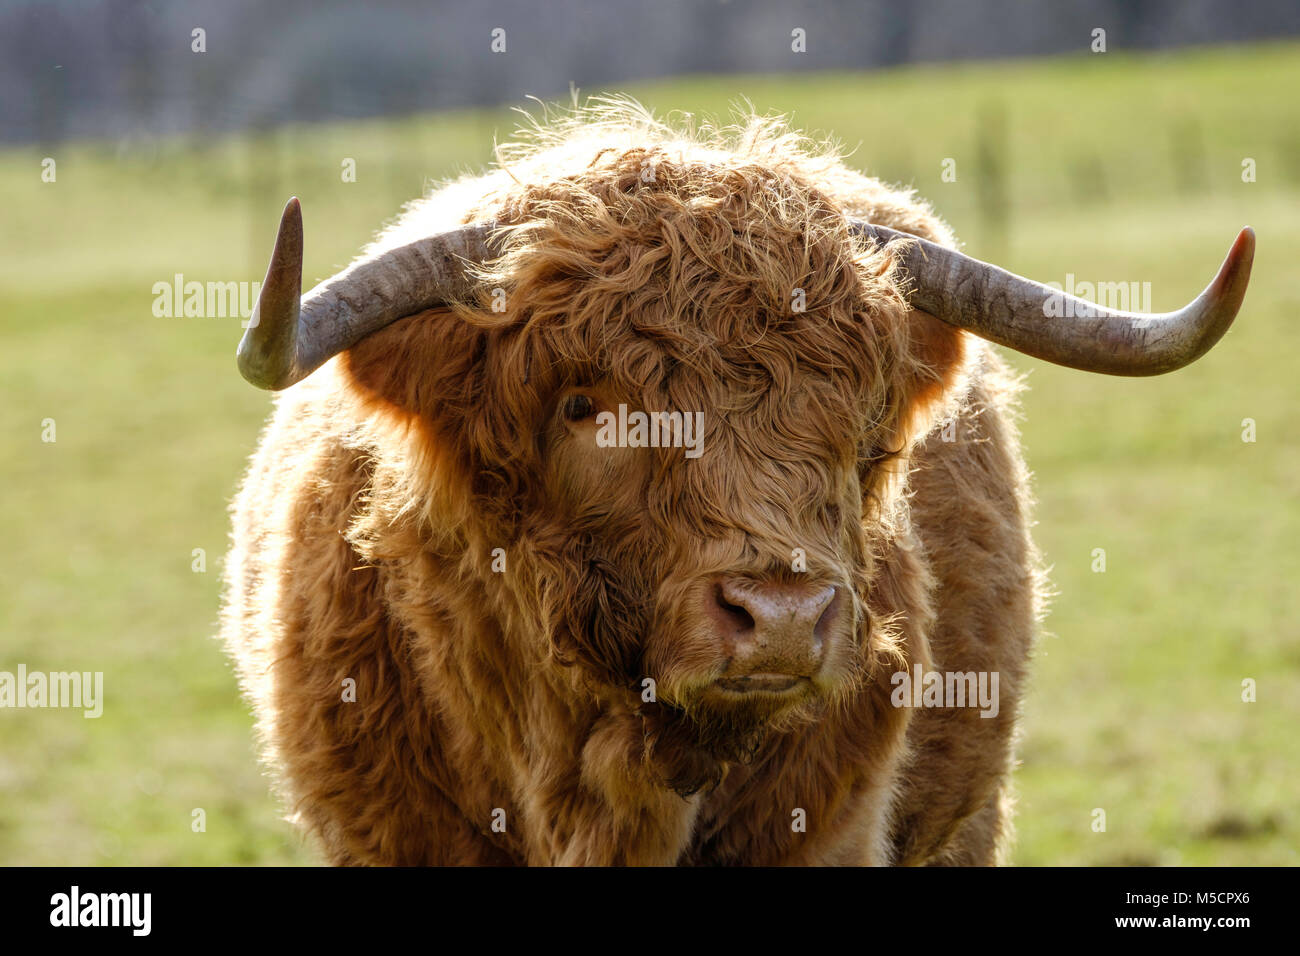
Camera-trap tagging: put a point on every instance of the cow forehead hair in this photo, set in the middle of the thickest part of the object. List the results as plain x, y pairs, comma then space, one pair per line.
648, 259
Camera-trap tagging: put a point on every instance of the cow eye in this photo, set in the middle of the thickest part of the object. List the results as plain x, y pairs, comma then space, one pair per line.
576, 408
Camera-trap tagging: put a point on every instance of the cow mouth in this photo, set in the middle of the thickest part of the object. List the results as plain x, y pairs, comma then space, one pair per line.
761, 683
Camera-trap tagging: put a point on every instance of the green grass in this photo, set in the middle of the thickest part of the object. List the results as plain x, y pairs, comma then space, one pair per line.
1114, 168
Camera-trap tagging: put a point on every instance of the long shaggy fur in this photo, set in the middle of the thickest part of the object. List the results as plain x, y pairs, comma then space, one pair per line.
418, 523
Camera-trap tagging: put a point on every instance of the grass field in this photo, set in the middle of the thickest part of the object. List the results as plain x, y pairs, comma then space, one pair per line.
1108, 167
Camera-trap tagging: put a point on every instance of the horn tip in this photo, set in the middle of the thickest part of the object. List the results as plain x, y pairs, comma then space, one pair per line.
1245, 241
292, 214
1235, 271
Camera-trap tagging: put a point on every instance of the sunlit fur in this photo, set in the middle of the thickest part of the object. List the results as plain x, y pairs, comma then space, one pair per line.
655, 266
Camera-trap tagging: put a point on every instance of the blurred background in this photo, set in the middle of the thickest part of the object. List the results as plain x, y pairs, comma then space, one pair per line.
134, 149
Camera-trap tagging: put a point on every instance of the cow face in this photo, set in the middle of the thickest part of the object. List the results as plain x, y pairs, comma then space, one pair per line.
737, 545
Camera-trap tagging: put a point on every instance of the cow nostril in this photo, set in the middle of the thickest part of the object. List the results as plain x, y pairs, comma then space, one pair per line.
733, 613
828, 615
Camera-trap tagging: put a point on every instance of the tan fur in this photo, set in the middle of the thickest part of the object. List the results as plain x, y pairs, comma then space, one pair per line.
364, 533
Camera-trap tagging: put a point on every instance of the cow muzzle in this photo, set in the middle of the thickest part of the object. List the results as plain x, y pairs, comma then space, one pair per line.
775, 637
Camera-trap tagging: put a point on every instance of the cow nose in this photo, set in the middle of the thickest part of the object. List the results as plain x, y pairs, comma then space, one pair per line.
774, 633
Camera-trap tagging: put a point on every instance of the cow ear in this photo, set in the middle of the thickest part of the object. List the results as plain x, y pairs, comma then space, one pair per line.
934, 372
428, 366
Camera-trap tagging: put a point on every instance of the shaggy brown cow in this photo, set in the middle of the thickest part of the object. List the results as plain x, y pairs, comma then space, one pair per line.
474, 632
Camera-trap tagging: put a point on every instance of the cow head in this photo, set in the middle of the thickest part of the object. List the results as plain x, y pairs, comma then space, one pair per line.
678, 404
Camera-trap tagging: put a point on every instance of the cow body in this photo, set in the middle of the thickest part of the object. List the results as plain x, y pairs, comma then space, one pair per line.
393, 608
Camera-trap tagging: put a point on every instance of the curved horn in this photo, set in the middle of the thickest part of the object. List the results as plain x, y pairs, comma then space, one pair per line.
1018, 312
288, 338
